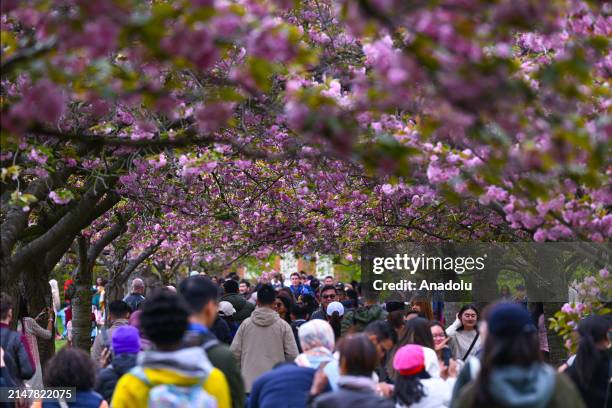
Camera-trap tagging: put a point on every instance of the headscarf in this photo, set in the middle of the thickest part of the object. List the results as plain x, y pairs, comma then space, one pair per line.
317, 341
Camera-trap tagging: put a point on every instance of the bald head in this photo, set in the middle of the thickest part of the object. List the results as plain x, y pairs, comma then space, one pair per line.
138, 285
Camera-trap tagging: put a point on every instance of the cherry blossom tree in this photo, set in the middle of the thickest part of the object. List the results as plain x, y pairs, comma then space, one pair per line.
238, 127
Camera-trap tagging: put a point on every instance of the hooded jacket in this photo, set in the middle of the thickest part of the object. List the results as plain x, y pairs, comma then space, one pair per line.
108, 376
242, 306
262, 341
221, 357
536, 386
184, 368
362, 316
352, 392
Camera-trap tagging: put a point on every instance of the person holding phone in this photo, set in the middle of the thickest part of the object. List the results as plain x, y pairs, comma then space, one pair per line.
441, 340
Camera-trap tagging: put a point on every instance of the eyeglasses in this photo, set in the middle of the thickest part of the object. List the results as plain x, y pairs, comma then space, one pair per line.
328, 296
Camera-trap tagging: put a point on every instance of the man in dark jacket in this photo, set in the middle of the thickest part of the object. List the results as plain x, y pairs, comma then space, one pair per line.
243, 308
19, 366
299, 316
287, 385
201, 296
136, 296
328, 295
125, 348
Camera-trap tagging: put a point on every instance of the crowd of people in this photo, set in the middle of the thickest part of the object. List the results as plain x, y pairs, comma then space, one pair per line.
224, 342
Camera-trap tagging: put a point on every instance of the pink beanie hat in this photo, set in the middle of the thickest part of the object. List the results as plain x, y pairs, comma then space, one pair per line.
409, 360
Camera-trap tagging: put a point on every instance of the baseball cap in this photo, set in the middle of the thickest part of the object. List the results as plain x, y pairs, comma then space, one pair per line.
226, 308
335, 307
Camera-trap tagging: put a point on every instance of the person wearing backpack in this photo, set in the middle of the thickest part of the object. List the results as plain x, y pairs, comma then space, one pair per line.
200, 293
19, 365
169, 375
126, 345
119, 313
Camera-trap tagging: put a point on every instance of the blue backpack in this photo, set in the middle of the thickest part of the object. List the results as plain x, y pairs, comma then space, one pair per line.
175, 396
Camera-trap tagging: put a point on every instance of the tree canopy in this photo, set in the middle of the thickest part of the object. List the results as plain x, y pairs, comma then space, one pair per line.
213, 129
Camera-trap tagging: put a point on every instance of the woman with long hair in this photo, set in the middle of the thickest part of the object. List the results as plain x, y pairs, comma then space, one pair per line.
416, 331
590, 369
512, 373
28, 327
465, 340
282, 305
422, 305
441, 339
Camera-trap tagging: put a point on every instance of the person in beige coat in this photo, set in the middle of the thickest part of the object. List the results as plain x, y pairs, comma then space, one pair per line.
263, 340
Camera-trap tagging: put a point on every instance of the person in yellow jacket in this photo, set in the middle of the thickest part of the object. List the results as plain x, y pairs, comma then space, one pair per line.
164, 321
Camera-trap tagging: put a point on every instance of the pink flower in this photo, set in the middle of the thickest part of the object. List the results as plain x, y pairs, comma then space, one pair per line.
100, 36
37, 156
272, 43
57, 199
387, 189
567, 308
540, 235
197, 46
42, 102
213, 116
604, 273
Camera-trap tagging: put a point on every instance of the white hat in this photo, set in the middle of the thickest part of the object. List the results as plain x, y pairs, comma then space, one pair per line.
226, 308
194, 273
335, 307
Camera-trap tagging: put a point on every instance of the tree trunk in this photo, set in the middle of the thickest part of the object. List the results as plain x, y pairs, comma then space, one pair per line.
81, 303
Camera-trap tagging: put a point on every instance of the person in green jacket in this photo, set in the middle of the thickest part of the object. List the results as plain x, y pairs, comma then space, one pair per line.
200, 293
356, 320
242, 306
513, 374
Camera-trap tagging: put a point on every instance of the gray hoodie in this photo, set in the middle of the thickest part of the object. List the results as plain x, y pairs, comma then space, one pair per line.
516, 386
190, 362
262, 341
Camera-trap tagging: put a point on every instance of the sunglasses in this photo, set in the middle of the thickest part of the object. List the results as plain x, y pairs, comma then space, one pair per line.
328, 296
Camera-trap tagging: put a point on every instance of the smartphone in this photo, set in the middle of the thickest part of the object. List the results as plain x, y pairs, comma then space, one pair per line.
446, 355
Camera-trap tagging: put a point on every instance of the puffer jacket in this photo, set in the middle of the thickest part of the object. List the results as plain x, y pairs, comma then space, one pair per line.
242, 306
274, 344
108, 377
